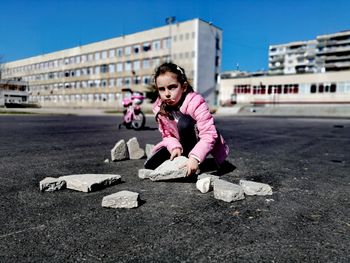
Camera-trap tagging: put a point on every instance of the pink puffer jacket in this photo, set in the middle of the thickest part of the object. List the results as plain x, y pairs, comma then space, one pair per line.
195, 106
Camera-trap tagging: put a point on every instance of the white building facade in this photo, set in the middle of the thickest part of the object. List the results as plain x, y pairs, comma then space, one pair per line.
94, 75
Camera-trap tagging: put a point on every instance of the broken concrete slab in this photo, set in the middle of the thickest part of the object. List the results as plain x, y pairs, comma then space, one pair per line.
148, 150
255, 188
144, 173
50, 184
135, 152
119, 151
90, 182
227, 191
170, 169
203, 185
122, 199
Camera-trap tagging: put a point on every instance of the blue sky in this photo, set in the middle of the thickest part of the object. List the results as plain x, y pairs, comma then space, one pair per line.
34, 27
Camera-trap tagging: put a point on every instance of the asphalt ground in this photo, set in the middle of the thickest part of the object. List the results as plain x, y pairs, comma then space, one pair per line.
306, 161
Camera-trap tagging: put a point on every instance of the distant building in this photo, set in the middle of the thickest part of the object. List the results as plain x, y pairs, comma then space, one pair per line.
327, 53
93, 75
13, 92
263, 89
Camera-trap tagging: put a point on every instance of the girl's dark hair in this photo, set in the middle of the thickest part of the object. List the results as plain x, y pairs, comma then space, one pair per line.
181, 77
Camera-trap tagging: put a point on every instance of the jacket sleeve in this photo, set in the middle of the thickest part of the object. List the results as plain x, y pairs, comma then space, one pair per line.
170, 140
206, 129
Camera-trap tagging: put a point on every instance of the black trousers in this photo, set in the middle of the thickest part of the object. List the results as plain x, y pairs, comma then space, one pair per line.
188, 139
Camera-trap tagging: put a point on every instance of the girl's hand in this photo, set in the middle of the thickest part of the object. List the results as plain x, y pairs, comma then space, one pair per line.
192, 166
175, 153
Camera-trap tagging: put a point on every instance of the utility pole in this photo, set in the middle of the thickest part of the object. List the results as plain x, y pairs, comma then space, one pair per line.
169, 20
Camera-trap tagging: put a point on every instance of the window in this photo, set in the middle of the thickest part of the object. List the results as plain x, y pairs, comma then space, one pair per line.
333, 87
136, 49
127, 51
136, 65
104, 54
127, 65
146, 80
112, 53
119, 82
166, 43
97, 70
97, 56
111, 68
119, 67
104, 68
104, 83
146, 46
146, 63
112, 82
313, 88
127, 82
320, 88
137, 80
156, 45
119, 52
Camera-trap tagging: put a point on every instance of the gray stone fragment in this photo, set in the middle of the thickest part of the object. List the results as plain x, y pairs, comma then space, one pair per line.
135, 152
144, 173
50, 184
119, 151
211, 176
227, 191
148, 150
122, 199
254, 188
90, 182
203, 185
170, 169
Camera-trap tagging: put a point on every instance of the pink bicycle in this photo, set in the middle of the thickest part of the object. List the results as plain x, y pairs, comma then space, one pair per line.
133, 117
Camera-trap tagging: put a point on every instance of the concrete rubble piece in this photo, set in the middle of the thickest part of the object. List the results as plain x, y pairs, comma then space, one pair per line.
148, 149
50, 184
135, 152
170, 170
227, 191
203, 185
205, 182
254, 188
119, 151
90, 182
144, 173
122, 199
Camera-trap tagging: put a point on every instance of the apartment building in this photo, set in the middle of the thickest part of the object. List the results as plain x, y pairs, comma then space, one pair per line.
94, 75
333, 51
13, 93
326, 53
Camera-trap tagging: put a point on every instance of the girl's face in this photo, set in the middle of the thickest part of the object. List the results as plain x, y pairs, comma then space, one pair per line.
169, 88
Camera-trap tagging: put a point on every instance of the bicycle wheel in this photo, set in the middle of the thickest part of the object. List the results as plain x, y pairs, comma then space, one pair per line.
139, 121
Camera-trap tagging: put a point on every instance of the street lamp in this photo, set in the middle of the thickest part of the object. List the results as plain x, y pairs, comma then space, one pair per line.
169, 20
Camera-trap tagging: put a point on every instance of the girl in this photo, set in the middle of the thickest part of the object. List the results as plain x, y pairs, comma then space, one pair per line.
185, 123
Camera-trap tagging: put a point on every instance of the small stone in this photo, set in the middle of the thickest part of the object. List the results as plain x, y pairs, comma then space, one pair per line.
119, 151
170, 169
50, 184
144, 173
203, 185
211, 176
148, 150
254, 188
122, 199
106, 161
227, 191
90, 182
135, 152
